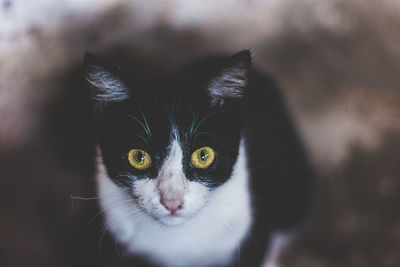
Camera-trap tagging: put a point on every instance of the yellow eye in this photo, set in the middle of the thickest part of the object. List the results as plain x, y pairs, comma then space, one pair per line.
139, 159
202, 157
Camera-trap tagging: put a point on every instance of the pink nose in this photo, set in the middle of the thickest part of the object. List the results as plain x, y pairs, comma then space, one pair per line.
173, 205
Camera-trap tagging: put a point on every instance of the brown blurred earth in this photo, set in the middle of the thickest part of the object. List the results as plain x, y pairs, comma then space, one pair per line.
337, 61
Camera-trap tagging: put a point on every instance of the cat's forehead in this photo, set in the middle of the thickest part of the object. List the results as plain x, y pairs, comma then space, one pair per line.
175, 103
172, 94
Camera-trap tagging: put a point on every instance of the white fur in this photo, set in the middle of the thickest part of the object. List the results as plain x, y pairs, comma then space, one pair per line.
228, 84
107, 87
206, 231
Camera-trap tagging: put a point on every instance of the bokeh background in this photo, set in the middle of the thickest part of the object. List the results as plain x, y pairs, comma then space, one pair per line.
337, 61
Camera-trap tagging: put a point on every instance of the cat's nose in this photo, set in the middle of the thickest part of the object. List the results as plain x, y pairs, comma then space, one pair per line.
173, 205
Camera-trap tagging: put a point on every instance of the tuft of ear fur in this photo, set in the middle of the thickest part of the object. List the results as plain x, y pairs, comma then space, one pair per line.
231, 81
104, 84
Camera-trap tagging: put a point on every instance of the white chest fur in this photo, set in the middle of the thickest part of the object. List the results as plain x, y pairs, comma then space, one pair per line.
210, 237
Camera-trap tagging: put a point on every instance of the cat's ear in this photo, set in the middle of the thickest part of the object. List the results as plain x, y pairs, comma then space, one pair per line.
230, 83
104, 84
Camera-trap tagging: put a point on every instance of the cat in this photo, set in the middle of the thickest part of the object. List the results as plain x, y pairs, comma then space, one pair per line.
198, 168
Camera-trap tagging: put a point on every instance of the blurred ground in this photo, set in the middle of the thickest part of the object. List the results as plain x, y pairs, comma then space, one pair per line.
337, 62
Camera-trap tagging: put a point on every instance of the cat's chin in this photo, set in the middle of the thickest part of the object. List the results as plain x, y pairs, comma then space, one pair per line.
172, 220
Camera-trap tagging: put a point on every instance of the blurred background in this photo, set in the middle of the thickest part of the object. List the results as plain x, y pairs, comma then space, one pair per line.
337, 61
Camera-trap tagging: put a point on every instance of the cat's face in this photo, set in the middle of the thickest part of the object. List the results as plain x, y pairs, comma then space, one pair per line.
169, 143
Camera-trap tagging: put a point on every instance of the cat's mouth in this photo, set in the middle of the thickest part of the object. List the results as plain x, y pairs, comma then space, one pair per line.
158, 213
180, 217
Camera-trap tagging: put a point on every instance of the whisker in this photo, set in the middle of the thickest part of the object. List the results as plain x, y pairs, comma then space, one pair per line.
125, 175
210, 134
141, 124
145, 121
80, 198
206, 118
129, 132
83, 198
109, 207
194, 120
143, 138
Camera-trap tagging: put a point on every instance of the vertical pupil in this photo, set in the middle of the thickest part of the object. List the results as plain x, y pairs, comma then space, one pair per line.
203, 155
139, 156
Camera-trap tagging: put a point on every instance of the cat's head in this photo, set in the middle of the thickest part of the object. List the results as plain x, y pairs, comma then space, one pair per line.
170, 142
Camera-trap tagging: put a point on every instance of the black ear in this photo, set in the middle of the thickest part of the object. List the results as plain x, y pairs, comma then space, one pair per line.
104, 84
230, 83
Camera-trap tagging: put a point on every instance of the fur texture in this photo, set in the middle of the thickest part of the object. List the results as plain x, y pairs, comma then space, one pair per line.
209, 237
172, 213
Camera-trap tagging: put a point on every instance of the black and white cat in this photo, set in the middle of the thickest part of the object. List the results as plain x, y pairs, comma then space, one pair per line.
199, 168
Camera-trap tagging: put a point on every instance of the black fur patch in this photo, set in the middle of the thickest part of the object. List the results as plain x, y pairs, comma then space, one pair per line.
144, 115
